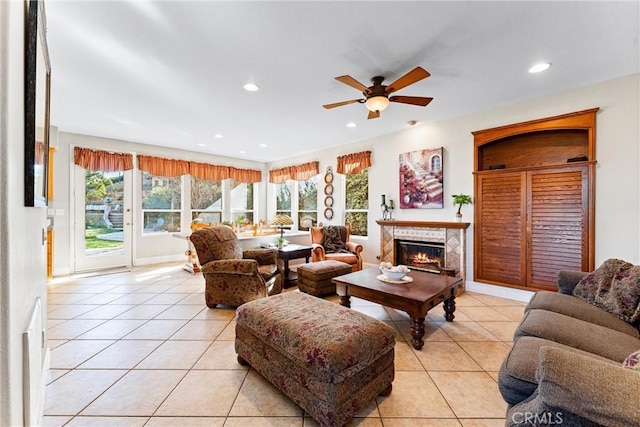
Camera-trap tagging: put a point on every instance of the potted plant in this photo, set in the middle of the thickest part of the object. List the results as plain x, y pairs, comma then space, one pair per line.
459, 200
281, 242
239, 222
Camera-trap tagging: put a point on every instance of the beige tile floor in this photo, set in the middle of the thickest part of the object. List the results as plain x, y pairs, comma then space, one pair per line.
140, 348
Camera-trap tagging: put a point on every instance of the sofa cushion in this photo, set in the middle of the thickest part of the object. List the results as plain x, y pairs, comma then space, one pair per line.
568, 380
568, 280
517, 376
574, 390
323, 270
578, 334
579, 309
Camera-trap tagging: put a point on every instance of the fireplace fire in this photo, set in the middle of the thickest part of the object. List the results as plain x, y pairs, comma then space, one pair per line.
426, 256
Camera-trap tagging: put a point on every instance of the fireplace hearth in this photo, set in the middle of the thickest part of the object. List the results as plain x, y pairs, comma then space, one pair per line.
425, 256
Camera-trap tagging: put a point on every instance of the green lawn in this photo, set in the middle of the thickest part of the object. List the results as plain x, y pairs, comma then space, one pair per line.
92, 242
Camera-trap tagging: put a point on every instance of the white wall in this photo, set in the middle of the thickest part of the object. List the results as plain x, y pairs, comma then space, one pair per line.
22, 254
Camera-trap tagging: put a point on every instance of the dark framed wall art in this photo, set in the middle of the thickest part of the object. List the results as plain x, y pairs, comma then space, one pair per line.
421, 179
37, 103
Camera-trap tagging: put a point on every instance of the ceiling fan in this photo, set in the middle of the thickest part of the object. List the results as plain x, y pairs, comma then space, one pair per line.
376, 97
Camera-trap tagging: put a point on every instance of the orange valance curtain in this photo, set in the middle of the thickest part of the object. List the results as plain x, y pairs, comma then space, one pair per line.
278, 176
98, 160
245, 175
305, 171
297, 173
207, 171
163, 167
354, 163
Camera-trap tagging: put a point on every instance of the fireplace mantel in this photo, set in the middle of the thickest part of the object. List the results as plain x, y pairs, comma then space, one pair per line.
452, 234
424, 224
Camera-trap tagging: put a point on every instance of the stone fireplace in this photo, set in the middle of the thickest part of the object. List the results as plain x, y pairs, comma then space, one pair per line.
432, 246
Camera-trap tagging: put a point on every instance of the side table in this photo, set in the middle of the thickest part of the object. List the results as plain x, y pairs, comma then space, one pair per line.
290, 252
192, 265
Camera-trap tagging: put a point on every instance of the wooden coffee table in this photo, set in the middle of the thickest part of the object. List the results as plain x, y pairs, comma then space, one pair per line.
415, 298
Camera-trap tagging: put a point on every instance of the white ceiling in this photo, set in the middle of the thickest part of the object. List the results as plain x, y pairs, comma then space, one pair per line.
170, 73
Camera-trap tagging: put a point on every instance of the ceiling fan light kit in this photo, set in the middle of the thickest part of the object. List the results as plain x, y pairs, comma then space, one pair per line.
377, 103
376, 96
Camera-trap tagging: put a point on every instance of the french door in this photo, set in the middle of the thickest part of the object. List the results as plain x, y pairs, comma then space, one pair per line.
103, 236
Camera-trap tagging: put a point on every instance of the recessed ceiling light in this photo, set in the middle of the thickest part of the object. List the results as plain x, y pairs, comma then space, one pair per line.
200, 145
412, 122
263, 145
351, 125
251, 87
540, 67
219, 136
243, 152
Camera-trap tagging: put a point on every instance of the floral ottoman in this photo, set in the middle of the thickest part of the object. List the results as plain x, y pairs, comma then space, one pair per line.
330, 360
315, 278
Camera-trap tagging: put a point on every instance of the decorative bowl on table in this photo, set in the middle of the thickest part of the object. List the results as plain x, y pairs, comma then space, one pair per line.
393, 272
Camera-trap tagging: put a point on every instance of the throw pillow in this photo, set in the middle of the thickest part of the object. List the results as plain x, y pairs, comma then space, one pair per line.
598, 280
614, 287
623, 297
632, 361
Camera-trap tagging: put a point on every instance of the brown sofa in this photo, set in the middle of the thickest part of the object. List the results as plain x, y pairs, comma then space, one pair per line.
565, 365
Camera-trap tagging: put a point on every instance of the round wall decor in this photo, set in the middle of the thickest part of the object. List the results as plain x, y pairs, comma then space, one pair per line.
328, 201
328, 189
328, 213
328, 178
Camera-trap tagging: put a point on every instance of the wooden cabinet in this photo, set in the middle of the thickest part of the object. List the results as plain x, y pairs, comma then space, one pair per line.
534, 201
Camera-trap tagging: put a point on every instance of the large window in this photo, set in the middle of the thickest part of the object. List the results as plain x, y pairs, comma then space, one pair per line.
283, 198
161, 206
307, 204
206, 201
241, 202
357, 202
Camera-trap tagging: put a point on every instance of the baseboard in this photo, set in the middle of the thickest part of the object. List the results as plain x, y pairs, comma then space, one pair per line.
499, 291
61, 271
46, 365
159, 260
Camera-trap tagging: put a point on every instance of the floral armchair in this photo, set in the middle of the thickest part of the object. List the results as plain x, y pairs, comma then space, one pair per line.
234, 276
331, 242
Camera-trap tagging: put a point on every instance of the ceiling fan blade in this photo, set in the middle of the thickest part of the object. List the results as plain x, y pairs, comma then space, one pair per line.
350, 81
413, 100
410, 78
340, 104
373, 115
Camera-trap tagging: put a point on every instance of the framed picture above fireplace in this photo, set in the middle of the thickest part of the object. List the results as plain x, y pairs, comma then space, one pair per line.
421, 179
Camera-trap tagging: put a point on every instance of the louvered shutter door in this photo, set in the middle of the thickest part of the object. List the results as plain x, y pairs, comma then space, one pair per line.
500, 221
558, 212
